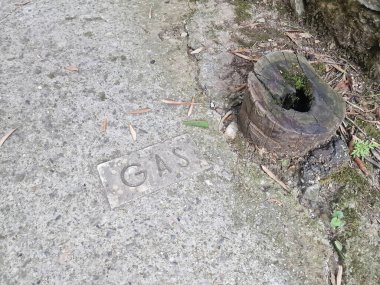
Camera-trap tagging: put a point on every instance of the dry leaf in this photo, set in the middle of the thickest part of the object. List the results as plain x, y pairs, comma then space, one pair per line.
274, 177
198, 50
339, 275
72, 68
139, 111
6, 136
133, 132
191, 107
104, 125
345, 84
361, 166
177, 103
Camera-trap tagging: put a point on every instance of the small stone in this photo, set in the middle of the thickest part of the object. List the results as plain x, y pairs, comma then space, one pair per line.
184, 35
231, 131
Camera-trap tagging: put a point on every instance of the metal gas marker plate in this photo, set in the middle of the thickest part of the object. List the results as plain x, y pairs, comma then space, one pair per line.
144, 171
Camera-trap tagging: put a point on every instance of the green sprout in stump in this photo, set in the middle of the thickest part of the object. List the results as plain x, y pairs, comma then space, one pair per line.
302, 99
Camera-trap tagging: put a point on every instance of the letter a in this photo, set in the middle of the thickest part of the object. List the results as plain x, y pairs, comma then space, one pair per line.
161, 165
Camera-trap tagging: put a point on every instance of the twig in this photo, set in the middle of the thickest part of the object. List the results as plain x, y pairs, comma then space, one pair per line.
177, 103
246, 57
370, 160
355, 106
191, 108
372, 122
352, 122
274, 177
337, 67
139, 111
104, 125
18, 6
339, 275
220, 126
6, 136
150, 12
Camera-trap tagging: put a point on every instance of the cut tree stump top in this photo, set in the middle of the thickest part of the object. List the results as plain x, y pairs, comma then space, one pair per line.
290, 109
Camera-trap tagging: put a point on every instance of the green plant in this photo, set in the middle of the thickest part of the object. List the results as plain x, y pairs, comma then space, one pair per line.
362, 148
337, 219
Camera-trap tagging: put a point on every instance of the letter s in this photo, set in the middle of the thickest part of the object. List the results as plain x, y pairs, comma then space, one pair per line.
185, 162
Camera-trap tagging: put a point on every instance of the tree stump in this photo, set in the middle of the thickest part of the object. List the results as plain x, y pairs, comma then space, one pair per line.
290, 110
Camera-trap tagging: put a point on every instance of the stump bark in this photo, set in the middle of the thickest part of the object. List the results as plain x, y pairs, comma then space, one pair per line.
290, 109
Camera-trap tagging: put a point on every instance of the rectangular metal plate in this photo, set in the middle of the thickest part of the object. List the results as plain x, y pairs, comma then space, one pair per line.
146, 170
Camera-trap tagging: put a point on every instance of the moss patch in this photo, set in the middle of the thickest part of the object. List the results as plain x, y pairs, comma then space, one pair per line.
248, 36
320, 68
242, 8
369, 129
355, 200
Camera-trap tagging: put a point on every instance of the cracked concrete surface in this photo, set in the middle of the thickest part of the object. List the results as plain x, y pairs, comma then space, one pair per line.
56, 226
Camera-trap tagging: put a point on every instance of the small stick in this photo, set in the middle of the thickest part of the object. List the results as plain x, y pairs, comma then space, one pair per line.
150, 12
352, 122
274, 177
355, 106
370, 160
133, 132
139, 111
6, 136
191, 108
339, 275
177, 103
220, 126
104, 125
